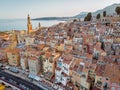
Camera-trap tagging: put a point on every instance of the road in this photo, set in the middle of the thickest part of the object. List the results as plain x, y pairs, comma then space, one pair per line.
46, 85
8, 84
20, 81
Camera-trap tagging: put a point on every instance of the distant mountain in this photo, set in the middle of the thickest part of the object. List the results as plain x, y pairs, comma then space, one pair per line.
109, 11
53, 18
81, 15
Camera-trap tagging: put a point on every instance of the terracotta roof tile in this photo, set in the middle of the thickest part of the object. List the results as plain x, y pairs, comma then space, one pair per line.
113, 72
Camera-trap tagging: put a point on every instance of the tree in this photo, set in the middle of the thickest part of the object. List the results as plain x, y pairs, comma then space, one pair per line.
75, 20
85, 19
102, 45
98, 16
41, 64
104, 14
117, 10
88, 17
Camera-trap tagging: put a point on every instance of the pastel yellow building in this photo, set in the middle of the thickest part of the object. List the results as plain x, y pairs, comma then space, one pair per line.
75, 76
98, 81
49, 64
29, 40
13, 57
84, 84
60, 47
2, 87
24, 62
22, 32
79, 74
14, 40
14, 36
12, 45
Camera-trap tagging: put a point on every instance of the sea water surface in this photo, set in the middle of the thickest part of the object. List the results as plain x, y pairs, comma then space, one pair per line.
21, 24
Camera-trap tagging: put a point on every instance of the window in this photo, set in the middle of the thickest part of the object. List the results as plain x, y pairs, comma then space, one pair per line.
100, 78
65, 69
107, 79
105, 85
50, 66
83, 76
99, 83
113, 88
68, 79
14, 61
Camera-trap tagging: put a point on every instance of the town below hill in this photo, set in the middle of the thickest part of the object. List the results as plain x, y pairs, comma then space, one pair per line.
75, 55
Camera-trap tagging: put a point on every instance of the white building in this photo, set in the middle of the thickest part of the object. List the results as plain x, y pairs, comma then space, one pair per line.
62, 72
34, 65
24, 63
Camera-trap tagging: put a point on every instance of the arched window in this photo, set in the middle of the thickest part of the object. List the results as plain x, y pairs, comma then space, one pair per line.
113, 88
24, 40
105, 85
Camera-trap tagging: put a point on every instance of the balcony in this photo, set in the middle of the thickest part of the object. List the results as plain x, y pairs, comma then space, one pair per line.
51, 60
99, 84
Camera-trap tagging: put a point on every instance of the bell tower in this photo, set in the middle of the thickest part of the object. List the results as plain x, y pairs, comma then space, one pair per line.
29, 25
39, 26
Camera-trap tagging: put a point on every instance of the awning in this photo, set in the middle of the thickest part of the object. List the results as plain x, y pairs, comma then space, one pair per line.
31, 76
37, 78
34, 77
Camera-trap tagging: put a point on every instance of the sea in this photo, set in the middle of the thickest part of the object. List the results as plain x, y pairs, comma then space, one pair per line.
21, 24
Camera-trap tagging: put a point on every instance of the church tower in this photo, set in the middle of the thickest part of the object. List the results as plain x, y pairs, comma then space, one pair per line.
39, 26
29, 25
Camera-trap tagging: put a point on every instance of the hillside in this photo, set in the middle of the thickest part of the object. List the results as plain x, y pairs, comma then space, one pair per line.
109, 11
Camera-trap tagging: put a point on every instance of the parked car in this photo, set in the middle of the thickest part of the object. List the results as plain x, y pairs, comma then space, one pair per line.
13, 69
1, 65
7, 67
27, 70
3, 77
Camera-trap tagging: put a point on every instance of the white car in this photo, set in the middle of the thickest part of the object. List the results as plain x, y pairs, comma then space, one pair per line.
1, 65
27, 70
7, 67
55, 87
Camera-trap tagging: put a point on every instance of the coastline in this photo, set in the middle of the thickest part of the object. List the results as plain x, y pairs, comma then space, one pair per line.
20, 24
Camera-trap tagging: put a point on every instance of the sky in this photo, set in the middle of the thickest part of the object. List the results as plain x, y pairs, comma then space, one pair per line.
10, 9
